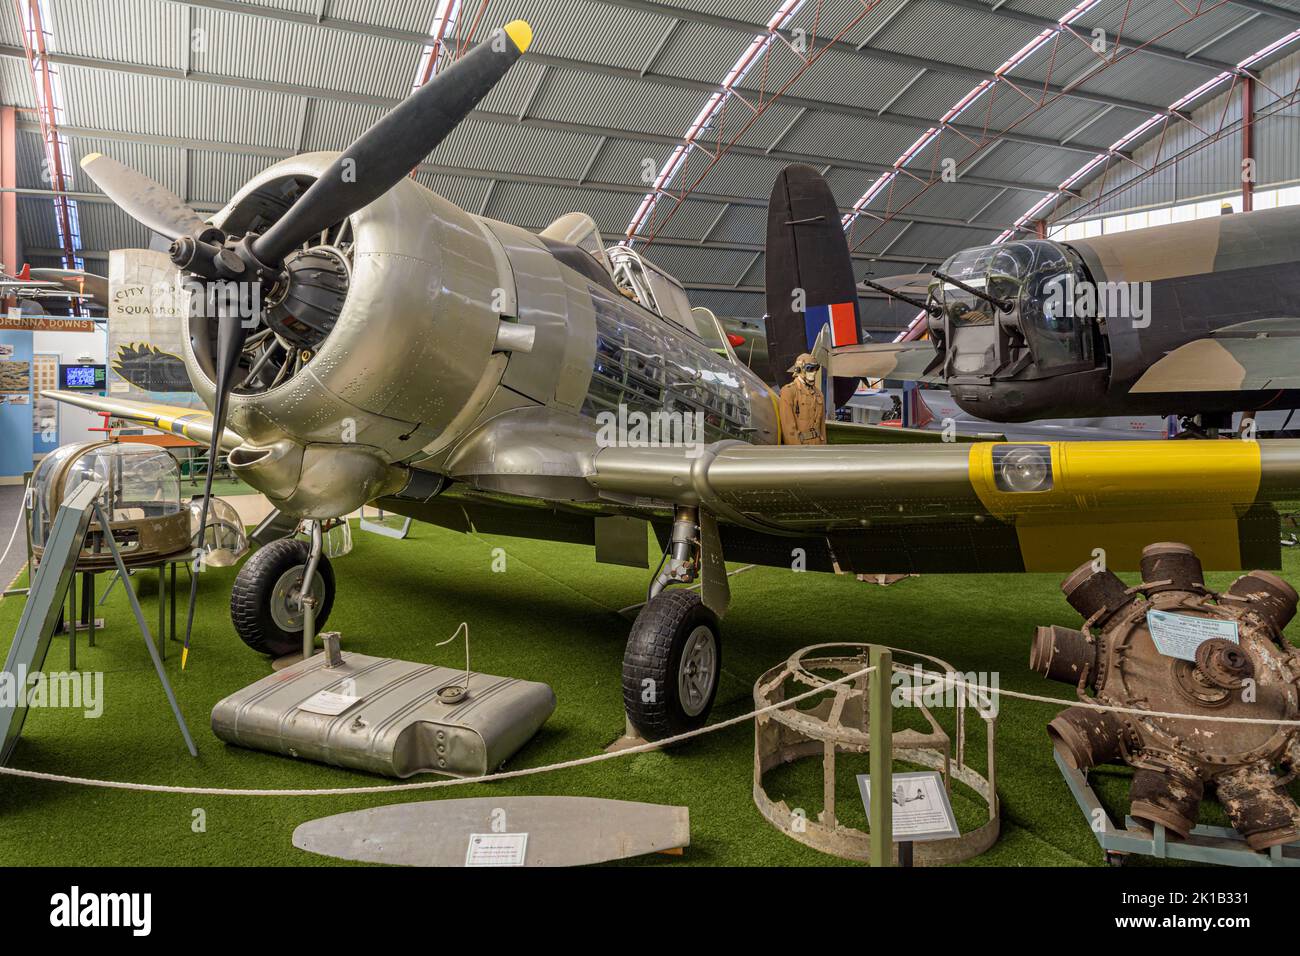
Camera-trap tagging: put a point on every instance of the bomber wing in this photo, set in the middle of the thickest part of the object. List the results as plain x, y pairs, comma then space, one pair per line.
1019, 506
194, 424
1251, 356
900, 361
852, 433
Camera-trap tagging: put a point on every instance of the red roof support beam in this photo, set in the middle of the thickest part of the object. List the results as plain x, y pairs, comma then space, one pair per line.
9, 183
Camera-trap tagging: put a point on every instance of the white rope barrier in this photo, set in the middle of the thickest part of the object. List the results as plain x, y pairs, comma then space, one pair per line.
949, 680
434, 784
980, 691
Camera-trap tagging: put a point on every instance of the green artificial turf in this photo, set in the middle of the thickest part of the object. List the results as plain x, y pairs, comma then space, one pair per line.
550, 616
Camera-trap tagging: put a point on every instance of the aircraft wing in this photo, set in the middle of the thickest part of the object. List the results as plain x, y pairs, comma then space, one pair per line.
194, 424
987, 507
1252, 356
901, 361
76, 280
852, 433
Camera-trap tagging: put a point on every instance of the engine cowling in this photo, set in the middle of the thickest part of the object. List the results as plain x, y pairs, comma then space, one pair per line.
394, 347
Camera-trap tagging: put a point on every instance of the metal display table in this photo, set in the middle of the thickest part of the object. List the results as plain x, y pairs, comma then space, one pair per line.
88, 623
1205, 844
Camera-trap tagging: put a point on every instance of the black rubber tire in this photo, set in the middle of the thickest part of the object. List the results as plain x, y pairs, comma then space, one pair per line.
654, 652
250, 604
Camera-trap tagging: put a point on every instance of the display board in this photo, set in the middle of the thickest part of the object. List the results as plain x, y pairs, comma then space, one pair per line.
45, 411
15, 405
147, 326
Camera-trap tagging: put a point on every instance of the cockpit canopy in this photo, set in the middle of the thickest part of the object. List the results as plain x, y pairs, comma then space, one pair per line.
663, 295
640, 280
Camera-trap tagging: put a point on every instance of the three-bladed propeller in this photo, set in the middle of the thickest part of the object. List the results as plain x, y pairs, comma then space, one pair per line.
378, 160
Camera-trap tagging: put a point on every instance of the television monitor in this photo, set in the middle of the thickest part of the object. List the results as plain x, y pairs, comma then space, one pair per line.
83, 378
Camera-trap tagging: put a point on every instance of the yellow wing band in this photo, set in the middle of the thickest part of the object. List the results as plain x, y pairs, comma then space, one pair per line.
1121, 496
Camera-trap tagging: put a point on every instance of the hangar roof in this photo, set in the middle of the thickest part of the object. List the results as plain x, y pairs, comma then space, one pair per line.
619, 97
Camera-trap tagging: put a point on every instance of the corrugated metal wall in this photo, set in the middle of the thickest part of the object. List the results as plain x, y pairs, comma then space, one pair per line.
1206, 170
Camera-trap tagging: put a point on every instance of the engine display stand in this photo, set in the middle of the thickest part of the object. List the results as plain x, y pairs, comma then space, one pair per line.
1206, 844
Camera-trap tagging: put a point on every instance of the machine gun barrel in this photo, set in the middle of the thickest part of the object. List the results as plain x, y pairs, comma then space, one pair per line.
921, 304
1002, 304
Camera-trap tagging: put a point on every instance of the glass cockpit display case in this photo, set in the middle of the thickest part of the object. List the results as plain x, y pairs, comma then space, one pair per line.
141, 497
224, 540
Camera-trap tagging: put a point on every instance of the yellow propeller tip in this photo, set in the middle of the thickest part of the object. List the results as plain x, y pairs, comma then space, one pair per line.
521, 33
90, 158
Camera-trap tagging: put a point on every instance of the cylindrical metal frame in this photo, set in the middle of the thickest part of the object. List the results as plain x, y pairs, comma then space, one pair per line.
841, 724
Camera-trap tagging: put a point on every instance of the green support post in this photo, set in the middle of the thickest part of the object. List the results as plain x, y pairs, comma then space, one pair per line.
880, 725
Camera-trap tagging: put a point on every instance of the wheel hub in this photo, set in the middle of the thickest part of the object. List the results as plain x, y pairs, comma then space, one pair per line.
286, 598
698, 671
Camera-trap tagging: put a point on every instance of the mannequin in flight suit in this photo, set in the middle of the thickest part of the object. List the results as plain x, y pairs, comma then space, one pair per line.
802, 407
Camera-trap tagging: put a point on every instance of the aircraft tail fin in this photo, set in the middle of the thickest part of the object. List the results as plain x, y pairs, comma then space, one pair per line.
809, 274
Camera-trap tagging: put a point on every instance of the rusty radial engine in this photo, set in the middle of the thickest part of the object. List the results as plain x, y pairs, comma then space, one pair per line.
1197, 669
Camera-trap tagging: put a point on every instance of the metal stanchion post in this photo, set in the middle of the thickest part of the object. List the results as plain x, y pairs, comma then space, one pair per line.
881, 728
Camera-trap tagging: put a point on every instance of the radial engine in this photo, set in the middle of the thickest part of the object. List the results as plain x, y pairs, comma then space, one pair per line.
1212, 655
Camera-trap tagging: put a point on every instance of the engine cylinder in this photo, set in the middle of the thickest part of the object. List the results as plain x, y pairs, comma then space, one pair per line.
1169, 794
1087, 738
1064, 654
1090, 590
1271, 598
1170, 566
1264, 814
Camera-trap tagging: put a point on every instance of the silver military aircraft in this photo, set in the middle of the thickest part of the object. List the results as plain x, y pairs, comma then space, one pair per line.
485, 378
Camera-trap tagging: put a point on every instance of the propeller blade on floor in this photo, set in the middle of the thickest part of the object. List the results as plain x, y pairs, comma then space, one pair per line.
147, 202
396, 144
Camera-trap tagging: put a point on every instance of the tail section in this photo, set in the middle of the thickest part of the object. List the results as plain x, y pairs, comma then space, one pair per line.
810, 281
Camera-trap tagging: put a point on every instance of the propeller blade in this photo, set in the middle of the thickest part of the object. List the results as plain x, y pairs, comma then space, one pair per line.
396, 144
144, 200
231, 334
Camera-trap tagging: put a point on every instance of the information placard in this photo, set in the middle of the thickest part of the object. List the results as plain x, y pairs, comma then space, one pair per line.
496, 849
1179, 635
922, 810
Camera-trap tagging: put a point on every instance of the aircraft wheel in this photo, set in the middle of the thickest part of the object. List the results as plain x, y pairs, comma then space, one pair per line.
263, 602
671, 665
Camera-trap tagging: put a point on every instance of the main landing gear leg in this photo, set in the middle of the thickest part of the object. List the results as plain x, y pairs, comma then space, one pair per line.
269, 605
673, 657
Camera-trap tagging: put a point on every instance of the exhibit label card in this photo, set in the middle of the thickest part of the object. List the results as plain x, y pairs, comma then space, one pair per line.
328, 703
1179, 635
496, 849
921, 807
